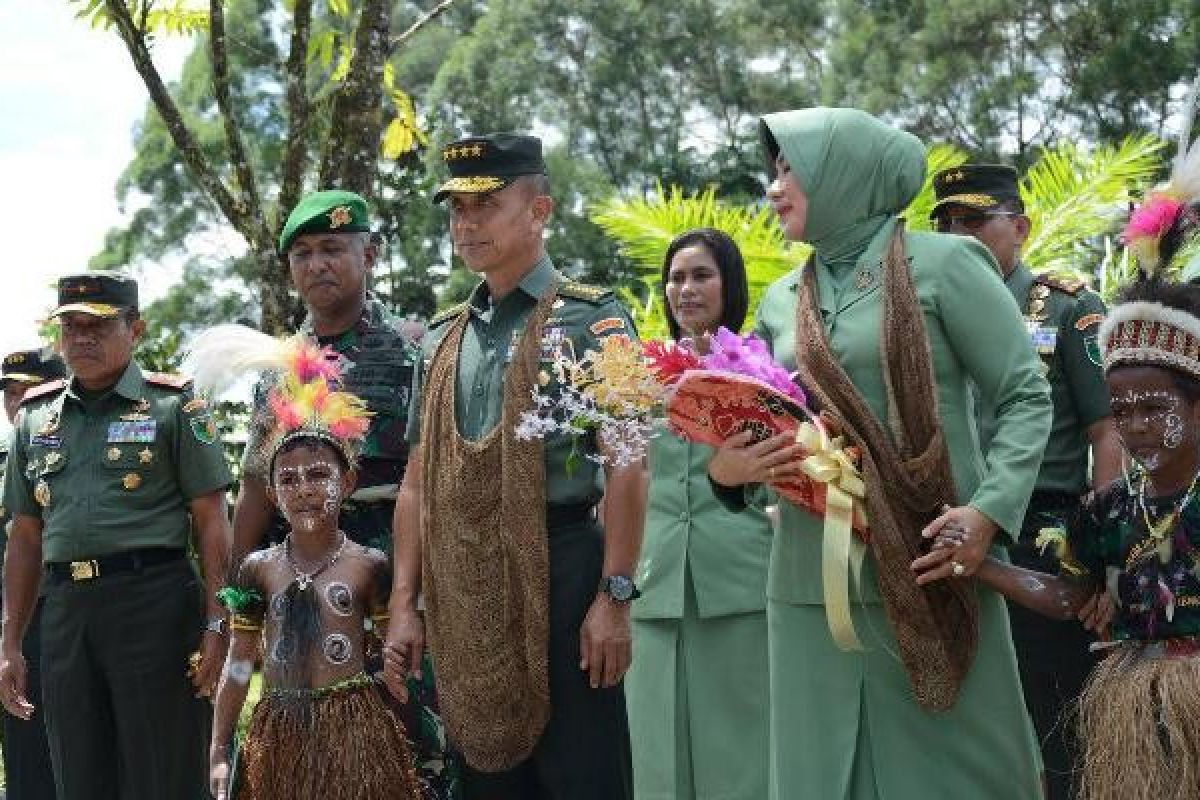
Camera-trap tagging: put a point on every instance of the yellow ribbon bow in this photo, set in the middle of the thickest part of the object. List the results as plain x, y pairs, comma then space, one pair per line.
842, 553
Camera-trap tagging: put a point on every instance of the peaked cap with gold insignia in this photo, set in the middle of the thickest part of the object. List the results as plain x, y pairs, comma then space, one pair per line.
32, 367
328, 211
978, 186
487, 163
98, 293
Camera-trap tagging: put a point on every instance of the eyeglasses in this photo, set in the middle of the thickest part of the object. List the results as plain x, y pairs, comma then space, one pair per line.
947, 223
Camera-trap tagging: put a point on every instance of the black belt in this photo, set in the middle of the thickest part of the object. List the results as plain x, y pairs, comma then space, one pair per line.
566, 515
113, 564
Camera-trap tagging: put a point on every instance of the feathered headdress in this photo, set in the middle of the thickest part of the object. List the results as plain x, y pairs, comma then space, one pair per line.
1162, 224
306, 399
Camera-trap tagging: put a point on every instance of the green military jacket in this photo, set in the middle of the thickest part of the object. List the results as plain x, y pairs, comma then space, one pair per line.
688, 530
116, 472
1063, 318
581, 316
379, 363
976, 336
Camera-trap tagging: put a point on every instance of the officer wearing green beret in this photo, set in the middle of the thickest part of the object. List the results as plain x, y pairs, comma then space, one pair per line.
109, 474
26, 756
527, 594
1063, 317
327, 245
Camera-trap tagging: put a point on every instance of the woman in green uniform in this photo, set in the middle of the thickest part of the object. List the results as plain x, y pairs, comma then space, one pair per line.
697, 690
918, 696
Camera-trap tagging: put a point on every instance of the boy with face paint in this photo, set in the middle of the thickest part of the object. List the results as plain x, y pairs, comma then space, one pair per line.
1139, 713
322, 730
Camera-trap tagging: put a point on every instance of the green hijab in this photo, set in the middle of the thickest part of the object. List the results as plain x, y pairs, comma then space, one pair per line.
857, 171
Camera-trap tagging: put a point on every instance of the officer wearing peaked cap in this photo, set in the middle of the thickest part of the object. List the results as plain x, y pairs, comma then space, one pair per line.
26, 755
109, 473
521, 582
1063, 317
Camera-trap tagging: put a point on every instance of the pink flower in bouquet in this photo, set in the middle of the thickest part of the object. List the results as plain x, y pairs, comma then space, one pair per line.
748, 355
669, 360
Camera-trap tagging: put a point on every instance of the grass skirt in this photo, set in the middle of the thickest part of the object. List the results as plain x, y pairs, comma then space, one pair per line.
339, 742
1139, 724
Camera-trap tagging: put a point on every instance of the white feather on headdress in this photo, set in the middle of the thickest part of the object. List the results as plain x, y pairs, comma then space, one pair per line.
217, 357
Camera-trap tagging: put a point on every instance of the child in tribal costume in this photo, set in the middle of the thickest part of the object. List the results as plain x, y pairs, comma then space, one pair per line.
1139, 713
323, 729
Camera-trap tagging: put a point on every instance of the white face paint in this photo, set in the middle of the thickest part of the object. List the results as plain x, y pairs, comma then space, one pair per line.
1149, 422
309, 493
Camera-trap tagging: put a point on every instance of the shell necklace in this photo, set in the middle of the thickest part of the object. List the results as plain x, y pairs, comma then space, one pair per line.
305, 579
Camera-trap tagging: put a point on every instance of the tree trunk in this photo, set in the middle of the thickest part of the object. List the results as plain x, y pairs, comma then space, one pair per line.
352, 150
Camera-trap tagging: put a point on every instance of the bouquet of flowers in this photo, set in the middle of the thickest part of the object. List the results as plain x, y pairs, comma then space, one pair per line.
610, 392
738, 387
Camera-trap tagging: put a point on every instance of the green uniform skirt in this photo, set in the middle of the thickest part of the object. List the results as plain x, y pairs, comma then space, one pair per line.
845, 726
698, 706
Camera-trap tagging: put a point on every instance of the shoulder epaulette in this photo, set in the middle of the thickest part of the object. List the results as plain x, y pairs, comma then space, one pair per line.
1061, 282
584, 291
43, 390
448, 314
167, 380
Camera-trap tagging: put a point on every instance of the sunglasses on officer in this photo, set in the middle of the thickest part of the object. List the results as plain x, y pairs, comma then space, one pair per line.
969, 221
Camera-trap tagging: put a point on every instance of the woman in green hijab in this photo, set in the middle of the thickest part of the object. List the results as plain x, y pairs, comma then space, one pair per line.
879, 688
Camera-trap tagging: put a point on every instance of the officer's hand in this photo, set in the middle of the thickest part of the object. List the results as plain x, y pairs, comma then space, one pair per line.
969, 531
605, 642
403, 650
218, 778
207, 670
12, 685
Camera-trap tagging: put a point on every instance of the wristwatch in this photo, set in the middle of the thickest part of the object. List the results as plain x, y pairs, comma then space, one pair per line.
620, 588
215, 625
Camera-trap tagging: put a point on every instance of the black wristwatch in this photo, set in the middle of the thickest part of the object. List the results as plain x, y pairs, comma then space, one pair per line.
620, 588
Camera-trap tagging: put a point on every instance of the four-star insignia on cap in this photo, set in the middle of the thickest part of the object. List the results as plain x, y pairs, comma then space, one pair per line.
462, 151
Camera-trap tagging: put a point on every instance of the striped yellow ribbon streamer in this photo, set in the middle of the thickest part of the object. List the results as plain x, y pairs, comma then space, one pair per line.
842, 553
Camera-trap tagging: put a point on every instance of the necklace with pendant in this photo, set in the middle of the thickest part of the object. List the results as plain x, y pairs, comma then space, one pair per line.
305, 579
1158, 530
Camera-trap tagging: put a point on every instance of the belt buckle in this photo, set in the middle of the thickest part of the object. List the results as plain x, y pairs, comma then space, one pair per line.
85, 570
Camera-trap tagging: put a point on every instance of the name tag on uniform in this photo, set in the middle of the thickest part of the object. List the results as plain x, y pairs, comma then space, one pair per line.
1045, 339
45, 440
141, 430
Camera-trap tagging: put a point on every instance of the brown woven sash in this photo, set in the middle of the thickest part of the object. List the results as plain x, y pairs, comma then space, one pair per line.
484, 560
908, 477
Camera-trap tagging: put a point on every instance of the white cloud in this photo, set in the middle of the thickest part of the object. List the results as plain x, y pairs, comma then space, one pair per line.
69, 98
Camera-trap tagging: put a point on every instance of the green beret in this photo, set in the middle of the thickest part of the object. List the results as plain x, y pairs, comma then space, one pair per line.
32, 367
488, 163
98, 293
977, 186
329, 211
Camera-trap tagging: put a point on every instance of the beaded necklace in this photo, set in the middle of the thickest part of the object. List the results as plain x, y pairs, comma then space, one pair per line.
305, 579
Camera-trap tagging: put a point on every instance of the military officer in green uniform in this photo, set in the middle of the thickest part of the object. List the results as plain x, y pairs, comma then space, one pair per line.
327, 245
109, 474
527, 594
26, 755
1063, 317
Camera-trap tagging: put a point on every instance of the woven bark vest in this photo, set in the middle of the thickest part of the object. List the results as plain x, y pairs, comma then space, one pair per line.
484, 560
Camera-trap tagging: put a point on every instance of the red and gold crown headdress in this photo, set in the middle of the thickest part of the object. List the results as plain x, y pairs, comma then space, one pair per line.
306, 399
1144, 333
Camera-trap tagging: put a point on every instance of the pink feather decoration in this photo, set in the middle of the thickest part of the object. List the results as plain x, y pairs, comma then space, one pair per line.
1153, 218
287, 415
311, 362
350, 428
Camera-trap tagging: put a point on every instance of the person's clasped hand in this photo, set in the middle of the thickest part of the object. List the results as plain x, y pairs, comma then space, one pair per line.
961, 538
740, 461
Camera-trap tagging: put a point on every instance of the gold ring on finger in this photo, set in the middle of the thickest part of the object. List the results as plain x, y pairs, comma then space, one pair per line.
958, 569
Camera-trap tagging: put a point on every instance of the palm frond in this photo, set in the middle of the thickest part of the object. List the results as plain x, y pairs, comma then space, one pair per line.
644, 228
939, 157
1073, 197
